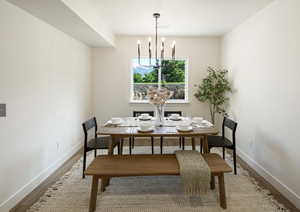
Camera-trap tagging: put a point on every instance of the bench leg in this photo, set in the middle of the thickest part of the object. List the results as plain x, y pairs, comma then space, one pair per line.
103, 184
222, 191
94, 191
212, 182
105, 181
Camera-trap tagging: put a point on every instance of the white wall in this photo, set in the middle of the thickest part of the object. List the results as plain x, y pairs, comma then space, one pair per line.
112, 68
264, 56
45, 80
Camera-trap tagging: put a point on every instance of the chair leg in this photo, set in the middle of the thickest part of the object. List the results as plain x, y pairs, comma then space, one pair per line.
201, 147
234, 160
179, 142
224, 153
183, 142
119, 148
95, 152
130, 143
84, 164
161, 145
152, 145
212, 182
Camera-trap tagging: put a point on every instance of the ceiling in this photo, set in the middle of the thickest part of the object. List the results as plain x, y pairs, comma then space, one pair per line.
178, 17
96, 22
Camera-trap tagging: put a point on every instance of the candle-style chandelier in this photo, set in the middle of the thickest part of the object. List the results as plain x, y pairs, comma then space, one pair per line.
157, 64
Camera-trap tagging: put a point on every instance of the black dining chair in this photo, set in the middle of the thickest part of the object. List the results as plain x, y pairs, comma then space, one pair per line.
222, 141
137, 114
97, 142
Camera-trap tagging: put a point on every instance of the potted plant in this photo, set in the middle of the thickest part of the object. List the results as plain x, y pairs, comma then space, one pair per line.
213, 89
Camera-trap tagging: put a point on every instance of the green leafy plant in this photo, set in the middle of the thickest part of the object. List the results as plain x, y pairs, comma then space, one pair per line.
213, 89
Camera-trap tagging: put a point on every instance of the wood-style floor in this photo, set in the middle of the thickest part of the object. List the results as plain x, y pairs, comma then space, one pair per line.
38, 192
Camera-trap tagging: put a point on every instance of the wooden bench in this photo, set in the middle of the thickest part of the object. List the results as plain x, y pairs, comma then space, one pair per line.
104, 167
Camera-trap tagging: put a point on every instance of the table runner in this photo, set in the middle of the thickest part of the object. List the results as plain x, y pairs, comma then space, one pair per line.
194, 172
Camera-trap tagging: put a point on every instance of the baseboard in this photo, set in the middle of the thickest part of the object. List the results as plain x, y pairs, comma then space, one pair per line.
30, 186
281, 187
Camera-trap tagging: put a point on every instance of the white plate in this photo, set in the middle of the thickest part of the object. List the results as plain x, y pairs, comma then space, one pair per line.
190, 128
148, 130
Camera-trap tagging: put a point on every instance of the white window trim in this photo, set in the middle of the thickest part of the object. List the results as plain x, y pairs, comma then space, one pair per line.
186, 77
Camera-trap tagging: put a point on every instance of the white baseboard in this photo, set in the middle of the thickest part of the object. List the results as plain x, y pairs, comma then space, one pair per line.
281, 187
30, 186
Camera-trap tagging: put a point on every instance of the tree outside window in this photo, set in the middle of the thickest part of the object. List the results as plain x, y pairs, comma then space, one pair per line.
172, 75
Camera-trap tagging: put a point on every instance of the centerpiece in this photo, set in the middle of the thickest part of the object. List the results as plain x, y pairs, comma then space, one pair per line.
158, 98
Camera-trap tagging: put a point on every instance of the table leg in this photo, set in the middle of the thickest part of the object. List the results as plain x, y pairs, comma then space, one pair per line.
222, 191
113, 139
94, 191
193, 143
205, 144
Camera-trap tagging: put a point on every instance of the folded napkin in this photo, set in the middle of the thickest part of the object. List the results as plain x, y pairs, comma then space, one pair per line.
194, 172
203, 124
110, 124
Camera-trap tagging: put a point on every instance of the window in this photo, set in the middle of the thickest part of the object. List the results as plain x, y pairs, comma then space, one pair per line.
172, 75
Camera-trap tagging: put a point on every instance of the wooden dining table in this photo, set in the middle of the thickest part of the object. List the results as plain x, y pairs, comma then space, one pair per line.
122, 131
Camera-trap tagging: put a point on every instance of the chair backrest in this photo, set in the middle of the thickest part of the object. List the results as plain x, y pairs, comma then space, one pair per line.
230, 124
88, 125
138, 113
168, 113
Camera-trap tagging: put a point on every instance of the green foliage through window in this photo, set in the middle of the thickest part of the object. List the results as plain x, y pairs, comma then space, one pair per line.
173, 71
171, 75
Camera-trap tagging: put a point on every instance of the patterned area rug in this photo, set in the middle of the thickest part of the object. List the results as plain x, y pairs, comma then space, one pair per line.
154, 194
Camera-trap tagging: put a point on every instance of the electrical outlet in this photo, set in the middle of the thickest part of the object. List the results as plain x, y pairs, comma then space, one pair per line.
2, 110
252, 143
57, 146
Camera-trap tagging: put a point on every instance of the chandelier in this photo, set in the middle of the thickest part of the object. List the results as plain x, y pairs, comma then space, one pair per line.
157, 64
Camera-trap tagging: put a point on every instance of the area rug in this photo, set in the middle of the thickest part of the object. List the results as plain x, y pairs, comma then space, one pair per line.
154, 194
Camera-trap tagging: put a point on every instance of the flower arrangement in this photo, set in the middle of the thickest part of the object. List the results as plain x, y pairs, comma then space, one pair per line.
158, 97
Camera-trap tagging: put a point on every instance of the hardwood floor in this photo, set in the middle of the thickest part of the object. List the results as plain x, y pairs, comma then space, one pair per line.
33, 197
38, 192
266, 185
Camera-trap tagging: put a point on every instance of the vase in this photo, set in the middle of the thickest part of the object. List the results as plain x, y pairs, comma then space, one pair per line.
159, 115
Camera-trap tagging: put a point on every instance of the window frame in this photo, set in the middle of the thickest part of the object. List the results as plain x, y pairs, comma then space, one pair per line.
170, 101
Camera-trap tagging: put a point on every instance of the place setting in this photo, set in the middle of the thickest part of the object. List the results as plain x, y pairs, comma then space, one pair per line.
113, 122
184, 127
175, 117
199, 122
145, 127
145, 117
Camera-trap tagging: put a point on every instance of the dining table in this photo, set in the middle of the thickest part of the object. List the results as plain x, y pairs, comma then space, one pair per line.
129, 127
